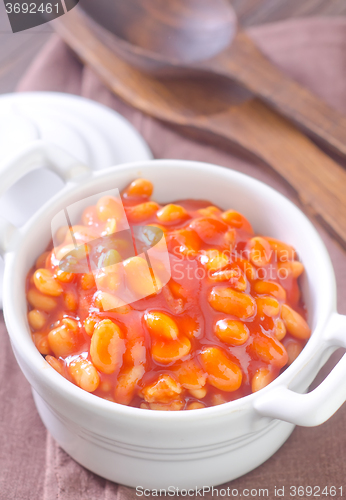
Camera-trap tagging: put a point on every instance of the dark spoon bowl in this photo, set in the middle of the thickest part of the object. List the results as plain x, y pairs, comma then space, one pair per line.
159, 35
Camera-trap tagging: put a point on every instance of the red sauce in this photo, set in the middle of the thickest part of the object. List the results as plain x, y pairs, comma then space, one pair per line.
228, 321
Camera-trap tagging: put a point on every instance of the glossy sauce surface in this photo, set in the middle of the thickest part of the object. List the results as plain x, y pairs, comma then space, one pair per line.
228, 321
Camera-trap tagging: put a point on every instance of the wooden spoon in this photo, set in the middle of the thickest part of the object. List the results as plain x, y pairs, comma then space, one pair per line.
211, 108
161, 30
179, 36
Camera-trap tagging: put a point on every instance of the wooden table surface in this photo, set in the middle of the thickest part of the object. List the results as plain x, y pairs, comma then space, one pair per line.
18, 50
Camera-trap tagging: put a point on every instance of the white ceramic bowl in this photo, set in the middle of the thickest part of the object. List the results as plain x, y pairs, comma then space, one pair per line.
156, 449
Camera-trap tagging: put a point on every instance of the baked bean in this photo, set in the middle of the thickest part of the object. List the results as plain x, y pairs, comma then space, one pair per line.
89, 216
218, 399
209, 230
223, 373
270, 288
89, 325
235, 277
167, 351
109, 207
109, 398
214, 260
191, 376
111, 258
64, 339
40, 301
87, 281
225, 275
110, 278
160, 269
239, 281
140, 187
230, 239
106, 386
161, 325
231, 332
37, 319
136, 352
235, 219
110, 227
185, 241
209, 211
69, 263
280, 329
175, 405
62, 251
107, 346
164, 390
64, 277
57, 364
198, 393
190, 326
71, 323
195, 405
295, 323
261, 379
142, 212
107, 302
162, 228
172, 213
153, 237
46, 283
81, 234
247, 269
84, 374
175, 305
41, 261
60, 236
226, 300
177, 289
127, 383
138, 277
267, 306
297, 268
260, 251
71, 300
293, 348
41, 342
269, 350
282, 251
293, 268
124, 309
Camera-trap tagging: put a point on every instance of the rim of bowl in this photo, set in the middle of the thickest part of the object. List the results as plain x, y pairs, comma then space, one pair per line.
50, 378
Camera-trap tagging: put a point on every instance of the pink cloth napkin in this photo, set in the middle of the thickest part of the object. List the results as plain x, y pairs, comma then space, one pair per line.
32, 465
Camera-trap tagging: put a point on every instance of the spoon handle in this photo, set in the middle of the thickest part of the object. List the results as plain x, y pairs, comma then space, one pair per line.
317, 179
245, 63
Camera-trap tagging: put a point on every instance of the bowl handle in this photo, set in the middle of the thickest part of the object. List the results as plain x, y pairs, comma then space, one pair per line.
319, 405
36, 154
